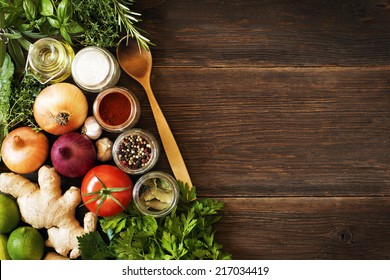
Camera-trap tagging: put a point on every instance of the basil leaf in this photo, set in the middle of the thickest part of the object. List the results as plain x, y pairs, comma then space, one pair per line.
65, 34
3, 49
11, 19
12, 35
2, 20
34, 35
24, 43
40, 22
2, 43
74, 27
54, 22
6, 74
30, 9
47, 8
64, 11
16, 52
25, 27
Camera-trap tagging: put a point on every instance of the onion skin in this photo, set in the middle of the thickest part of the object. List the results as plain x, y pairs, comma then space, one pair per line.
60, 108
73, 154
23, 150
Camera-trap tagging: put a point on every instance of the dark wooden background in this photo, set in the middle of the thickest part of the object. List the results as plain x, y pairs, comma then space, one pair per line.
282, 111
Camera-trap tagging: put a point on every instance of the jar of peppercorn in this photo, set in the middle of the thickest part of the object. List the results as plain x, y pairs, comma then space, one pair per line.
135, 151
116, 109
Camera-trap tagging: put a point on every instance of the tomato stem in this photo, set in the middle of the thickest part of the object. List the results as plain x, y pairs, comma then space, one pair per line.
105, 193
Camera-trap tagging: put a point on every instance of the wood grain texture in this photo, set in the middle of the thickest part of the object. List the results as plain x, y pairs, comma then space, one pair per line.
306, 228
280, 131
241, 33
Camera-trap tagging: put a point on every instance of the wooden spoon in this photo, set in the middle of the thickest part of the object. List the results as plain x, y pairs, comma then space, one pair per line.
137, 63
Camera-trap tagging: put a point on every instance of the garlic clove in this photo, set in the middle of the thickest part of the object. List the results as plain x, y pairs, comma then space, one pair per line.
104, 149
91, 128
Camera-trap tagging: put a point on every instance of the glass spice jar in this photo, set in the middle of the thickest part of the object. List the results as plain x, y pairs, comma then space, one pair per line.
135, 151
50, 60
156, 193
95, 69
116, 109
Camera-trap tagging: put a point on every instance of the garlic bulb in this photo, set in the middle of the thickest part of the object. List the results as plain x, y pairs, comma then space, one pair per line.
104, 149
91, 128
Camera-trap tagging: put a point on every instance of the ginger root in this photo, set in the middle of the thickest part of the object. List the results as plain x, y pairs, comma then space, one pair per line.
42, 205
54, 256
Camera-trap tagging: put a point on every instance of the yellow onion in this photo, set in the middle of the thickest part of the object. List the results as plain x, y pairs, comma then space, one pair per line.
60, 108
24, 150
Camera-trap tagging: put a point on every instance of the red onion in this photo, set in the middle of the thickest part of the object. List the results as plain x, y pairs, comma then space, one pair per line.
73, 154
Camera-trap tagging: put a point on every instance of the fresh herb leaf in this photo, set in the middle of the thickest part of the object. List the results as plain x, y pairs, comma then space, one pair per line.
98, 19
25, 44
22, 100
145, 226
114, 223
126, 247
6, 75
3, 50
93, 247
54, 21
127, 19
187, 194
74, 28
30, 10
47, 8
16, 52
64, 11
186, 233
3, 47
104, 21
189, 222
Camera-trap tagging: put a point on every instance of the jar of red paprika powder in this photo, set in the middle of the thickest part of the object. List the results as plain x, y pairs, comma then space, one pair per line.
116, 109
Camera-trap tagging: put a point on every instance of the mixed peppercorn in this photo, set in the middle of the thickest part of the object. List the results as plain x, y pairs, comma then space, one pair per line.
134, 152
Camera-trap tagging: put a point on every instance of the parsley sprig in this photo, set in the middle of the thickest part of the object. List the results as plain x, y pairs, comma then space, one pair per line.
186, 233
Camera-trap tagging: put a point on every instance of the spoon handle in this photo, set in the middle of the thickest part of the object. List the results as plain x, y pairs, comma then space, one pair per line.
171, 148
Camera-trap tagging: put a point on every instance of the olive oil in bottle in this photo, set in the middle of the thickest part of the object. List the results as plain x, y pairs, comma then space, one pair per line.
50, 60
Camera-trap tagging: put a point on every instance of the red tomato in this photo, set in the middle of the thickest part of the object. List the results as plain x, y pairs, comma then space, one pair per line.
106, 190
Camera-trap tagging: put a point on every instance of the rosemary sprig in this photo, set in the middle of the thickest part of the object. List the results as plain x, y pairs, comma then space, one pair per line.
127, 19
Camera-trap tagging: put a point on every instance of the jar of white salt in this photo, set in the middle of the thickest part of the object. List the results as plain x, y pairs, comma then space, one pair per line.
95, 69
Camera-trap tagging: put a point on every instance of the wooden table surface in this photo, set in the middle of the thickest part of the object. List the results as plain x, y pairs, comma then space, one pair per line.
281, 110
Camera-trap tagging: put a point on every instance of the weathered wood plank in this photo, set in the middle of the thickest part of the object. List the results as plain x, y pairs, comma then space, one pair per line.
269, 33
282, 131
306, 228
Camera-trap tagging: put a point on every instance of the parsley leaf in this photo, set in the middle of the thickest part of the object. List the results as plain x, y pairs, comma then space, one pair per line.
185, 234
93, 247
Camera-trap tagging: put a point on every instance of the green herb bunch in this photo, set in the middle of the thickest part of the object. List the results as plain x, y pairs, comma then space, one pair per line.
22, 101
6, 74
89, 22
104, 21
185, 234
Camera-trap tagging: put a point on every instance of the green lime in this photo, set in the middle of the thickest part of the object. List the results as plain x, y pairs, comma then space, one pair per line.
9, 213
25, 243
3, 248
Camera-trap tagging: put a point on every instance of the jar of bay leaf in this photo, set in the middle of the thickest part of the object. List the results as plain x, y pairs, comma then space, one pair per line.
50, 60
